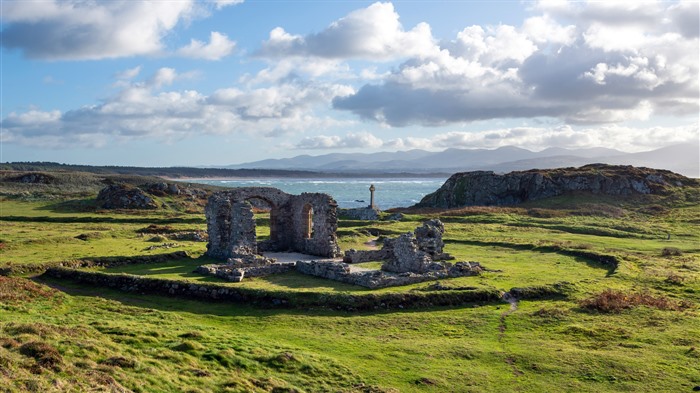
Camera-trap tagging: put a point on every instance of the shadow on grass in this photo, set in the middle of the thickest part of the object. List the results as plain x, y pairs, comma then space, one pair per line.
106, 220
578, 256
222, 309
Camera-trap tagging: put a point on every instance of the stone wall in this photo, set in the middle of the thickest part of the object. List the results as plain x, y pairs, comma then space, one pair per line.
359, 256
375, 279
231, 226
249, 296
361, 213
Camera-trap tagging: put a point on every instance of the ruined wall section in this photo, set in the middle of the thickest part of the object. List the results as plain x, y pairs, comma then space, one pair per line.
231, 225
218, 214
323, 240
243, 238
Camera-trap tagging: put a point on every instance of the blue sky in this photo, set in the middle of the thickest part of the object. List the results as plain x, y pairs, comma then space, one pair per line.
221, 82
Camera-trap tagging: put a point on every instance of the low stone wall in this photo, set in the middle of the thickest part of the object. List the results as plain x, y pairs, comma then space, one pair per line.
374, 279
358, 256
236, 274
38, 268
362, 213
227, 293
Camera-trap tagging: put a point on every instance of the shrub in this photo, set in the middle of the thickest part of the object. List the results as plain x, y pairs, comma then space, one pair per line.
671, 252
614, 301
44, 354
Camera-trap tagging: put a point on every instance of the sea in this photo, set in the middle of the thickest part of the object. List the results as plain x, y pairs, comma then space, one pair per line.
349, 193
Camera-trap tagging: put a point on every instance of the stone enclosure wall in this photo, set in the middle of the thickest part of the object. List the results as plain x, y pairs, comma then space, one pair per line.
305, 223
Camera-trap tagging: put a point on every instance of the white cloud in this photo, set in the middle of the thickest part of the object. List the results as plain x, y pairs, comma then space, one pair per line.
361, 140
625, 138
128, 74
225, 3
369, 33
219, 46
142, 110
611, 68
78, 30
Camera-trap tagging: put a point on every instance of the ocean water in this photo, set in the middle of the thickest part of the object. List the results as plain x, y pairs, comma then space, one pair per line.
349, 193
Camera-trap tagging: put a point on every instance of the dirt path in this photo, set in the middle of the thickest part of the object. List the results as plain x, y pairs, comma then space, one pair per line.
507, 297
372, 244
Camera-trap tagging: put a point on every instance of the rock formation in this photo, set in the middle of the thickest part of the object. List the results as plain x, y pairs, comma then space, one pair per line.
124, 196
483, 188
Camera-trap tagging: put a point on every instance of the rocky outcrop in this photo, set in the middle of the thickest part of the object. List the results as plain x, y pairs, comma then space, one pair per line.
33, 178
362, 213
124, 196
483, 188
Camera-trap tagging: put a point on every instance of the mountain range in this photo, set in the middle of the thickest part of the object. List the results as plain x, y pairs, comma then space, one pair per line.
683, 159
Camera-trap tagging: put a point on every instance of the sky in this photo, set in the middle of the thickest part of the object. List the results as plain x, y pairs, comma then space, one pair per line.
218, 82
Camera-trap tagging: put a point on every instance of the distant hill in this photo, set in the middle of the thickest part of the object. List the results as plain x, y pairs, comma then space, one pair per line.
683, 159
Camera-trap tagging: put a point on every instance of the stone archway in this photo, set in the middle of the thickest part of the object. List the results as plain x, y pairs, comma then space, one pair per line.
303, 223
266, 207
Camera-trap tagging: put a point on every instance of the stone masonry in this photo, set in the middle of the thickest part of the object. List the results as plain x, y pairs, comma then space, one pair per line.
305, 223
417, 252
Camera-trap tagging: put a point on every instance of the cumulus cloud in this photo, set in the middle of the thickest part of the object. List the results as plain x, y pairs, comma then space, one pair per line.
89, 30
78, 30
369, 33
361, 140
142, 109
219, 46
630, 139
609, 69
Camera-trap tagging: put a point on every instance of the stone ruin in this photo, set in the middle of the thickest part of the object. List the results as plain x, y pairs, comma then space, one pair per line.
305, 223
417, 252
410, 258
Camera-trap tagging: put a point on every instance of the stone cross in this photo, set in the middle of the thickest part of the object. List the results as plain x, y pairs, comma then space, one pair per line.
371, 196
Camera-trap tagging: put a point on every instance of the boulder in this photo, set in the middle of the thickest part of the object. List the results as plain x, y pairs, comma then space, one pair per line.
124, 196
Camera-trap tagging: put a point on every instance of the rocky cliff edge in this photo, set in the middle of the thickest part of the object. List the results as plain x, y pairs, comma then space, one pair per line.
484, 188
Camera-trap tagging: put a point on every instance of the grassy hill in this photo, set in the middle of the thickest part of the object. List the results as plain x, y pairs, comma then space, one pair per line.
578, 325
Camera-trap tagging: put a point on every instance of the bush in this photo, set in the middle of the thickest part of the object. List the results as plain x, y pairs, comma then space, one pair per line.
671, 252
614, 301
44, 354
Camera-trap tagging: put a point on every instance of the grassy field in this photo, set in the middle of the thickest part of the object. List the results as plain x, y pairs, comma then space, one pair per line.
631, 328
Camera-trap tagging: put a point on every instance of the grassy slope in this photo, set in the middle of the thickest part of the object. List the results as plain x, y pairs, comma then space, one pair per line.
147, 343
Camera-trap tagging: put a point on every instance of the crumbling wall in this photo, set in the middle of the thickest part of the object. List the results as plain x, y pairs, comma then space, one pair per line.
323, 240
231, 225
416, 252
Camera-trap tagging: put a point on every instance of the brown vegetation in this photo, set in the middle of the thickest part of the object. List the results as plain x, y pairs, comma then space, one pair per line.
15, 289
614, 301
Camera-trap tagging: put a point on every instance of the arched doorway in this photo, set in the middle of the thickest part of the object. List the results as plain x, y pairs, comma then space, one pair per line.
265, 216
308, 221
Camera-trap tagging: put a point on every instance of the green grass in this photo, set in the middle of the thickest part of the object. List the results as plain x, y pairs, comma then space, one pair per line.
107, 338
